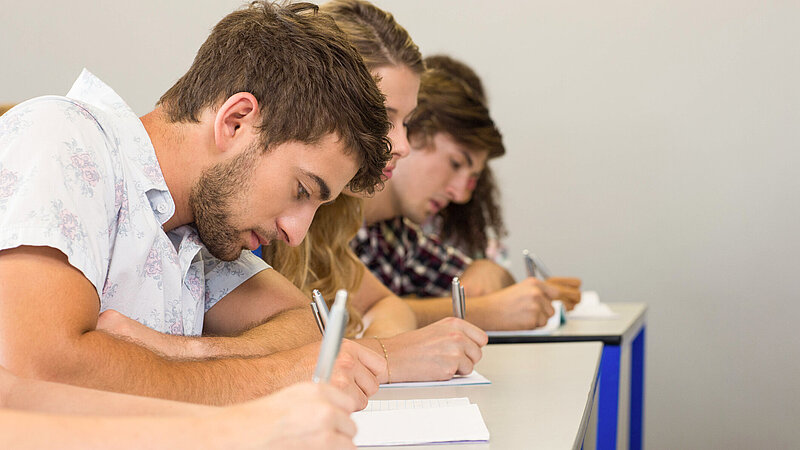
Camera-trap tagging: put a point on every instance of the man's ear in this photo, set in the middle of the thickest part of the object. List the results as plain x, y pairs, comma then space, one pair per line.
237, 118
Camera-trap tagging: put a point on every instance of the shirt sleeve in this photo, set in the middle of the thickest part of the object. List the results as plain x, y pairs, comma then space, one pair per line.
57, 183
430, 264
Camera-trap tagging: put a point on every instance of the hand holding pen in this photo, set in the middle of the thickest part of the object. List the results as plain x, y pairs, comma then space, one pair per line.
332, 337
569, 288
349, 366
533, 265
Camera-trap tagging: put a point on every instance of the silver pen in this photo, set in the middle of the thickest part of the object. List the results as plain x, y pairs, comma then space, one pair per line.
535, 264
317, 318
457, 290
463, 298
322, 307
332, 338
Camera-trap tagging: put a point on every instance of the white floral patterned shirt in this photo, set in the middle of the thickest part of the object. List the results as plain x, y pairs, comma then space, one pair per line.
79, 174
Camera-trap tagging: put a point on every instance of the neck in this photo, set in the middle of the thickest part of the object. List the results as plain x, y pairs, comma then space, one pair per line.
380, 207
176, 146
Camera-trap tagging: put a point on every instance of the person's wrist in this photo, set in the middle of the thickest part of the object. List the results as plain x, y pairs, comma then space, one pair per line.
386, 357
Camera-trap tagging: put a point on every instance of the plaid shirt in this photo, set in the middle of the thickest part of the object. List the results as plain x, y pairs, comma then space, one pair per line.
408, 261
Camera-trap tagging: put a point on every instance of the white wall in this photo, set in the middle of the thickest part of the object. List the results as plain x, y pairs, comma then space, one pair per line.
652, 150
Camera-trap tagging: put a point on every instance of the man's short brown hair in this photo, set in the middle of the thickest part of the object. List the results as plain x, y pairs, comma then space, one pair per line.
307, 77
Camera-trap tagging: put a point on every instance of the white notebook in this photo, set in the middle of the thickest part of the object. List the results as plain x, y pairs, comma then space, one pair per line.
419, 421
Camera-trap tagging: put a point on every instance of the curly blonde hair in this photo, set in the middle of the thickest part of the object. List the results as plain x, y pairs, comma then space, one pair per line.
324, 259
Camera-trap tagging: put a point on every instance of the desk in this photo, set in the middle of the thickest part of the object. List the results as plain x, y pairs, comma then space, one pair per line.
540, 397
621, 392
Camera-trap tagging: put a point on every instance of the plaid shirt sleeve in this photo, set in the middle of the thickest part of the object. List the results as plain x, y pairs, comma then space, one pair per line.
408, 261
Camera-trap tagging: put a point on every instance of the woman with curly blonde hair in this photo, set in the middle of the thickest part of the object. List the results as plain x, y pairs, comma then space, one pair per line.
324, 260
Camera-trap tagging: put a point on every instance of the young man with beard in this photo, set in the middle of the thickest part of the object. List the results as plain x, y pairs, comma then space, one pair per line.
153, 216
452, 136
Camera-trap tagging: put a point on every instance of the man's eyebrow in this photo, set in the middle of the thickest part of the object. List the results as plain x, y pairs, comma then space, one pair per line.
324, 190
468, 157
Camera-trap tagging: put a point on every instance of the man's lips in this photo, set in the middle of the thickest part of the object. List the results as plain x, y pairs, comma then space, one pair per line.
436, 206
387, 171
256, 240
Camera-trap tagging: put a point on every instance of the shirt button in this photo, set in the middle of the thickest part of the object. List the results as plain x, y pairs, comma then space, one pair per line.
162, 208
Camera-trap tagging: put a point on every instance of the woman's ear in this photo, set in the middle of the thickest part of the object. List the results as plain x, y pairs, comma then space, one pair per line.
237, 118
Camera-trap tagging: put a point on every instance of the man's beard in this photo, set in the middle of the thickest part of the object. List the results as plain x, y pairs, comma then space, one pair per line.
212, 198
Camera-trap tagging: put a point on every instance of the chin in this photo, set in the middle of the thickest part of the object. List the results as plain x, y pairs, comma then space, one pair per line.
226, 254
418, 219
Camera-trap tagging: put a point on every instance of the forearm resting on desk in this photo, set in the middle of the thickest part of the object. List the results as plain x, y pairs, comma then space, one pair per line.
524, 305
35, 395
129, 368
302, 416
484, 277
287, 330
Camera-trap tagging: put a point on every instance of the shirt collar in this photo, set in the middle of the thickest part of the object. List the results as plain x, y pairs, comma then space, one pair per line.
132, 136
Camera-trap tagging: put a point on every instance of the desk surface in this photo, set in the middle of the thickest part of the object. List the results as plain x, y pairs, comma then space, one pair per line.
541, 395
608, 331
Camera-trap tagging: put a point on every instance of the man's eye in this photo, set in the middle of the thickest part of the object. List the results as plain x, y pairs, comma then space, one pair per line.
455, 164
302, 193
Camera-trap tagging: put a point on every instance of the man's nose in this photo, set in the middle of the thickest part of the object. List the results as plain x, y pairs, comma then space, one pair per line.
460, 189
296, 226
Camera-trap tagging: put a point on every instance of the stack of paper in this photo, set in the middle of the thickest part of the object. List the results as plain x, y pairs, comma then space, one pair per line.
422, 421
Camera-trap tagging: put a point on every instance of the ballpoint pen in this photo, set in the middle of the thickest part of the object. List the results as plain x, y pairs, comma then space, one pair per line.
457, 291
317, 318
463, 299
530, 266
322, 307
332, 338
534, 264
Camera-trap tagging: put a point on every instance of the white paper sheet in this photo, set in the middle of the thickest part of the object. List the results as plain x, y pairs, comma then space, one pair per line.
419, 421
458, 380
591, 308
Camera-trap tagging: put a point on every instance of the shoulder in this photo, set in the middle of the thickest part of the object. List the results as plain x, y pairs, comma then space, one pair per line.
52, 113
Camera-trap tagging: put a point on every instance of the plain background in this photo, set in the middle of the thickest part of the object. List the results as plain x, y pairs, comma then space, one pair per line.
652, 151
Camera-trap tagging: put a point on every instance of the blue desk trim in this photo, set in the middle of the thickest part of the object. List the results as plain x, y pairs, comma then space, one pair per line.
608, 407
608, 404
637, 392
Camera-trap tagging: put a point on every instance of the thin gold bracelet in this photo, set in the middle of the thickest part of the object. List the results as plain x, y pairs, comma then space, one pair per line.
385, 355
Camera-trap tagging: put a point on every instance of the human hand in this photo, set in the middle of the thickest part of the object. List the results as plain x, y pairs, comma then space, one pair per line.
435, 352
304, 415
356, 372
569, 290
522, 306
